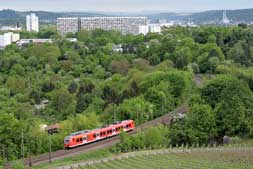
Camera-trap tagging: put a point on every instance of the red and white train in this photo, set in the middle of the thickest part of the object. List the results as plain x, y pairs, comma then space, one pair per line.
89, 136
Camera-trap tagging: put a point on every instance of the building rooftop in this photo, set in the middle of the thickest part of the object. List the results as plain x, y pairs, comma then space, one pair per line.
52, 127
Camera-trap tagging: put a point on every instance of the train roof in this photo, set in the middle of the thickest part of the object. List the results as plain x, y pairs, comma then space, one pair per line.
79, 132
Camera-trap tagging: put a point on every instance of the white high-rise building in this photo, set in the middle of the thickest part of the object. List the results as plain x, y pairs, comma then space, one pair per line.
32, 23
154, 28
8, 38
5, 40
143, 29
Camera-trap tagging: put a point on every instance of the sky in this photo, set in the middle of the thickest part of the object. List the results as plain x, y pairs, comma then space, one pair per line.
125, 5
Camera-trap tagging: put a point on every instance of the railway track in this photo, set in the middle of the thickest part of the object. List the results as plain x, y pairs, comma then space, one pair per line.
100, 144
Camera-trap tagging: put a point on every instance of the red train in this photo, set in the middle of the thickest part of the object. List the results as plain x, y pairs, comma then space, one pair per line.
89, 136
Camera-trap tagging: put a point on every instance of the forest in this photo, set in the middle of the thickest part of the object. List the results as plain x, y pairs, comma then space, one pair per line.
89, 84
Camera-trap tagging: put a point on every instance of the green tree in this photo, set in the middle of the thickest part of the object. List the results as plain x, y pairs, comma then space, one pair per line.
83, 102
137, 109
72, 88
198, 126
62, 103
211, 92
234, 112
201, 120
16, 84
153, 137
183, 57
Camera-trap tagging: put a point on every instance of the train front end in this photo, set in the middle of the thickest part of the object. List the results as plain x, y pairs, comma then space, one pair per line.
67, 142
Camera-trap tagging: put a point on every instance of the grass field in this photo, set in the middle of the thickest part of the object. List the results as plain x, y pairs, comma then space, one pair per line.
93, 155
217, 159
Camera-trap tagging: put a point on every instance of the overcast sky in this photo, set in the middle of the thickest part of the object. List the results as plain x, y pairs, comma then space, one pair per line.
124, 5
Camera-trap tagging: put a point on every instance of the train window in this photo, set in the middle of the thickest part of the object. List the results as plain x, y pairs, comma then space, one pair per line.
94, 135
73, 140
108, 132
81, 139
84, 138
97, 134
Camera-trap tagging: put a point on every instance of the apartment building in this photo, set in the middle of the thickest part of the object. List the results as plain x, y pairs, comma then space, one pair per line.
65, 25
8, 38
126, 25
32, 23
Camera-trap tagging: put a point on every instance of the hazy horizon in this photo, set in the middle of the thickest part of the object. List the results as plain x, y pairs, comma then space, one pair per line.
124, 5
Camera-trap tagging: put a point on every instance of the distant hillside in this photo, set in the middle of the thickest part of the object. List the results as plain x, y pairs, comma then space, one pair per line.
11, 17
242, 15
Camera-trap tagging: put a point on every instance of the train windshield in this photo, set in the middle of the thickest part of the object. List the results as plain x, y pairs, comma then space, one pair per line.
66, 140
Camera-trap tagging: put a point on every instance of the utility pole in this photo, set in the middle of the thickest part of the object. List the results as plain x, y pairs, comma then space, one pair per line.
164, 106
50, 148
22, 144
141, 117
114, 115
29, 155
30, 160
138, 116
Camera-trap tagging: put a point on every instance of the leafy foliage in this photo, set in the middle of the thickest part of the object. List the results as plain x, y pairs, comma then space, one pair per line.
85, 84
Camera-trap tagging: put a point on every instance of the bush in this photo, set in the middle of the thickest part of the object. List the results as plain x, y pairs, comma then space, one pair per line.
18, 165
235, 140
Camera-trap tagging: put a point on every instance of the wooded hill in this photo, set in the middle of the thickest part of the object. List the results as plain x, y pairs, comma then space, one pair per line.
241, 15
